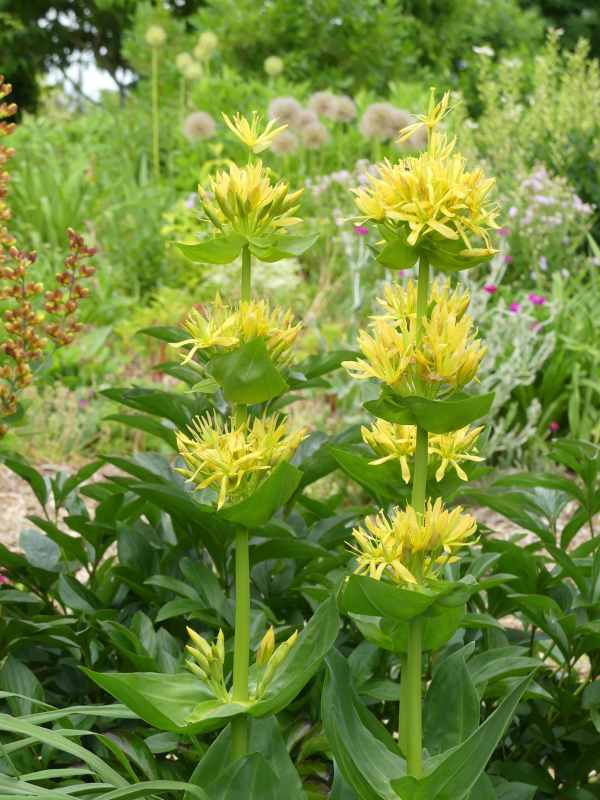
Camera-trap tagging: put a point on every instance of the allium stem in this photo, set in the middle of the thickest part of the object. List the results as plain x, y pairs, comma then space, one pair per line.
155, 119
246, 274
410, 689
241, 653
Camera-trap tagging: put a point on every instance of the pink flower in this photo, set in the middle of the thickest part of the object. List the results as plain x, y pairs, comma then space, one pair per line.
490, 288
508, 259
400, 273
503, 232
361, 230
537, 299
3, 578
514, 308
554, 427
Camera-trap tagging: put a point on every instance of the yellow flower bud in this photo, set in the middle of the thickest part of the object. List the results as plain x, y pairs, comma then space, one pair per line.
266, 648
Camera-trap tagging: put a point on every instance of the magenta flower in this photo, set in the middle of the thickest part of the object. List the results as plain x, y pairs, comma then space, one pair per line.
504, 232
490, 288
361, 230
514, 308
3, 578
554, 427
537, 299
508, 259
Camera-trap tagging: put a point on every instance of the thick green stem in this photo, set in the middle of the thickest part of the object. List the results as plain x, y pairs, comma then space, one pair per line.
246, 274
241, 653
155, 120
411, 728
414, 661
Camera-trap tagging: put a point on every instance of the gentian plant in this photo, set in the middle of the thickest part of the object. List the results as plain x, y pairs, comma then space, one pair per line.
236, 458
405, 597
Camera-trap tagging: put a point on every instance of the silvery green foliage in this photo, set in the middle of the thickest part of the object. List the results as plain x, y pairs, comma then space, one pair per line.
518, 345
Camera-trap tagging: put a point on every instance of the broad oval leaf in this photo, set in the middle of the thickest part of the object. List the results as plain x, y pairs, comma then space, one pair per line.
248, 375
270, 495
220, 250
436, 416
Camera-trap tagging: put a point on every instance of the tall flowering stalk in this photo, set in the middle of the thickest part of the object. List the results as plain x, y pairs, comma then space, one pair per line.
248, 213
423, 350
155, 37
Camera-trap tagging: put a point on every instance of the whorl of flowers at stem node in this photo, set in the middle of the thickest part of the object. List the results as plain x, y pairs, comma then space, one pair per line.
249, 133
235, 458
222, 328
394, 442
275, 660
409, 548
245, 201
431, 199
207, 661
447, 356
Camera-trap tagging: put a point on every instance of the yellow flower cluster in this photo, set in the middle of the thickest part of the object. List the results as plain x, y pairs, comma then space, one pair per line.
447, 356
431, 195
270, 658
235, 458
207, 661
243, 200
222, 328
410, 548
394, 442
249, 132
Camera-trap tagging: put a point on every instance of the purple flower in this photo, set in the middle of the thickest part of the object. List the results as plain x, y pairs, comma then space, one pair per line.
543, 263
361, 230
514, 308
512, 212
503, 232
508, 259
537, 299
554, 427
191, 200
490, 288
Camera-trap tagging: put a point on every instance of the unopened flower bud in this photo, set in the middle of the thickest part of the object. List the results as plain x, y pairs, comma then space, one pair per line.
266, 648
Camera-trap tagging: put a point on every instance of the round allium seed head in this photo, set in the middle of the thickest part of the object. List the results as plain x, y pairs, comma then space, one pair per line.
323, 104
183, 60
199, 125
306, 117
285, 110
209, 40
399, 119
192, 71
378, 121
285, 143
273, 66
345, 110
314, 136
155, 36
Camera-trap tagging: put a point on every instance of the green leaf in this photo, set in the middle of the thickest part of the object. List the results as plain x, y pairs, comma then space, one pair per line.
141, 422
454, 775
17, 678
451, 709
40, 551
436, 416
38, 483
367, 596
397, 254
438, 628
383, 482
170, 335
284, 246
76, 596
265, 737
270, 495
248, 375
220, 250
364, 751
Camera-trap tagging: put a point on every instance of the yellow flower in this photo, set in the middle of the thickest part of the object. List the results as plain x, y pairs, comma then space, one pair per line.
235, 458
394, 442
435, 114
454, 447
410, 548
244, 200
449, 353
222, 328
400, 301
388, 355
432, 200
248, 132
207, 661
